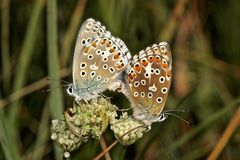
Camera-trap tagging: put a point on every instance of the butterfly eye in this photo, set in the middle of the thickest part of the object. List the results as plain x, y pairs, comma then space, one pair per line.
70, 90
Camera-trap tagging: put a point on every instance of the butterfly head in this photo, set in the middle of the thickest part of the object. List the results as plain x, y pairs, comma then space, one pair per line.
70, 90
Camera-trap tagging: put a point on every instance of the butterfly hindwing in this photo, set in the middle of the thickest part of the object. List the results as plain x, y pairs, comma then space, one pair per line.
149, 80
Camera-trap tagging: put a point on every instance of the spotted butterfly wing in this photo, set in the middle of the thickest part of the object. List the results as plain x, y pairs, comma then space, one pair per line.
99, 59
149, 80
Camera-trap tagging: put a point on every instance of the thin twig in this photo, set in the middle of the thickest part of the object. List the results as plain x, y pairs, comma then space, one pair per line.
232, 126
170, 27
105, 151
104, 147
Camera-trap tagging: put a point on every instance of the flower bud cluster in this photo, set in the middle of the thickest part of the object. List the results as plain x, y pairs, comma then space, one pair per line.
128, 130
89, 120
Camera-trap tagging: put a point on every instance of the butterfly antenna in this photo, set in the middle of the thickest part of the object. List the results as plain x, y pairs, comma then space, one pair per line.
171, 114
62, 81
176, 110
49, 89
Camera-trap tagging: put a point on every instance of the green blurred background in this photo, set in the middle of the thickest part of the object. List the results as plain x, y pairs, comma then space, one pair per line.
37, 41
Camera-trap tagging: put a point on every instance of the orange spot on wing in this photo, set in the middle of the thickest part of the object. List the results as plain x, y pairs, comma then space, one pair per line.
168, 73
130, 76
121, 65
144, 63
134, 75
137, 68
86, 50
108, 44
94, 44
104, 41
111, 50
164, 65
116, 55
151, 59
157, 59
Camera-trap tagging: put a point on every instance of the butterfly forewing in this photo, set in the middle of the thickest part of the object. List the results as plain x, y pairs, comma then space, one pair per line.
149, 79
89, 31
98, 62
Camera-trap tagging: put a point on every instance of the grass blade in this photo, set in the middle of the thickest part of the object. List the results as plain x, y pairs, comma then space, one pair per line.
55, 101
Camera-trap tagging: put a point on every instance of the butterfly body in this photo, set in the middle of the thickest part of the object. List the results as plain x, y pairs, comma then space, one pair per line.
98, 63
148, 82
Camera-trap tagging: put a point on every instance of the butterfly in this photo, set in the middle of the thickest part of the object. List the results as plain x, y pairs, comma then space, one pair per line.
148, 80
99, 62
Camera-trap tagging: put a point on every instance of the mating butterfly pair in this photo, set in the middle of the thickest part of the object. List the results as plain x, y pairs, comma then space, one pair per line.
102, 62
